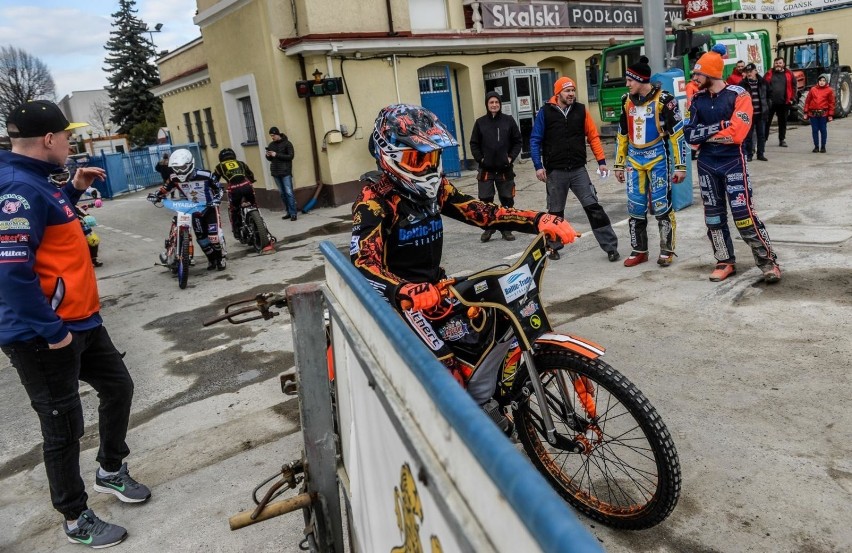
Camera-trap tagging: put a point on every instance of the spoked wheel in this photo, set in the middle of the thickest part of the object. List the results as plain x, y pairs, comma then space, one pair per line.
183, 258
628, 473
258, 228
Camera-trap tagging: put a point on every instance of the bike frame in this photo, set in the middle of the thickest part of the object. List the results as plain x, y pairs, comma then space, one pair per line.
526, 273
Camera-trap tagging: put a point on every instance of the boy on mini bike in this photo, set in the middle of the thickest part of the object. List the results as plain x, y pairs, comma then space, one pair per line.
239, 179
198, 186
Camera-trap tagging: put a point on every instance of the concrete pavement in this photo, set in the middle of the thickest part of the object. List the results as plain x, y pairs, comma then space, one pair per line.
752, 380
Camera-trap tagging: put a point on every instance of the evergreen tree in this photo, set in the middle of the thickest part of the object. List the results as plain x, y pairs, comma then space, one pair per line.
131, 72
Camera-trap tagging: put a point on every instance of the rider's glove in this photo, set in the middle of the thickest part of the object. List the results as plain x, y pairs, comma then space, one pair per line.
423, 296
556, 228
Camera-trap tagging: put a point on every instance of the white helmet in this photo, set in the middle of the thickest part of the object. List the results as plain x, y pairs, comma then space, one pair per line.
182, 164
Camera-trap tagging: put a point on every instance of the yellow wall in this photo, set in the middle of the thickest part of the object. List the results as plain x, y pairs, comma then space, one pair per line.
360, 16
193, 57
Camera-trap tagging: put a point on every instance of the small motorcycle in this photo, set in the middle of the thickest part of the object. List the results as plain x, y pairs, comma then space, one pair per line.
253, 231
590, 431
179, 247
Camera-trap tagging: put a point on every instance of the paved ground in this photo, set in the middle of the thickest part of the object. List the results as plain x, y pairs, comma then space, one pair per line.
752, 380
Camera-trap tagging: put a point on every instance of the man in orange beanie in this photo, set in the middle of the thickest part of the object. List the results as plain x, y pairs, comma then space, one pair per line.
719, 121
558, 151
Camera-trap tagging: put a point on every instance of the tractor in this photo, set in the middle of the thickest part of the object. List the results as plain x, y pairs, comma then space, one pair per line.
813, 55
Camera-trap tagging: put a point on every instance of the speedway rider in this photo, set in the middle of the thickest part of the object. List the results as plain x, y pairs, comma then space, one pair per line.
650, 155
397, 231
239, 178
199, 187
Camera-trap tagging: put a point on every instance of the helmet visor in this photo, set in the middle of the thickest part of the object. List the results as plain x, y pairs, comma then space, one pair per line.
420, 163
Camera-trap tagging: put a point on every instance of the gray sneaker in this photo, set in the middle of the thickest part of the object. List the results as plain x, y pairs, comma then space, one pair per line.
123, 486
94, 532
486, 235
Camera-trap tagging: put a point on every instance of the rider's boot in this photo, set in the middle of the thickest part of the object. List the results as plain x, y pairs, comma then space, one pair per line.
211, 260
221, 264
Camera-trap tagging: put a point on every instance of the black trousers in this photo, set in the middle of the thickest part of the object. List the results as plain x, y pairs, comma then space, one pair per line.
51, 378
781, 111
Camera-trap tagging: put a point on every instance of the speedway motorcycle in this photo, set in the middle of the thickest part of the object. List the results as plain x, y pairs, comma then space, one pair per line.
179, 248
590, 431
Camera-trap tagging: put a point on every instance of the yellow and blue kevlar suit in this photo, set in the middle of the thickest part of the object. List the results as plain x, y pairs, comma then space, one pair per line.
650, 148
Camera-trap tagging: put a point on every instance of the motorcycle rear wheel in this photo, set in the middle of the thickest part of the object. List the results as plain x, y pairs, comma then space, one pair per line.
258, 228
629, 476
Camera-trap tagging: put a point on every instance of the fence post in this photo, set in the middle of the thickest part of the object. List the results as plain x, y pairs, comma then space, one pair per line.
305, 302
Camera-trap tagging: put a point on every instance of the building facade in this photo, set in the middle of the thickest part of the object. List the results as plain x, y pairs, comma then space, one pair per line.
228, 87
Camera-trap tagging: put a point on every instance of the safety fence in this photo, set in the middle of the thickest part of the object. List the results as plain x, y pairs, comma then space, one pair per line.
419, 466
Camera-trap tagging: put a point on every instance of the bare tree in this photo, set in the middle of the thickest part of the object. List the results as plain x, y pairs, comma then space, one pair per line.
101, 115
22, 77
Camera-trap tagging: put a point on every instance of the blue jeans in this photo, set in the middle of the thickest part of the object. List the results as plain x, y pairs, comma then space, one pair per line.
51, 378
285, 188
819, 125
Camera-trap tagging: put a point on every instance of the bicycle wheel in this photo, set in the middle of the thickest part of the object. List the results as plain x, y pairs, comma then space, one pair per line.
260, 238
183, 258
628, 475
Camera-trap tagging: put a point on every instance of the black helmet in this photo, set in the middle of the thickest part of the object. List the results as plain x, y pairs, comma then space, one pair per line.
226, 154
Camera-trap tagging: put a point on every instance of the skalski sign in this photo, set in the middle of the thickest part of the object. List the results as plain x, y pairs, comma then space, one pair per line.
565, 15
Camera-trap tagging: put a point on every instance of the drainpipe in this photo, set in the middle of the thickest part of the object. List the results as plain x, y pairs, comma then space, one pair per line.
396, 80
312, 134
391, 31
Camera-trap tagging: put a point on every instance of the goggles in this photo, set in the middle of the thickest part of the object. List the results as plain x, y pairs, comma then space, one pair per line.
420, 163
60, 178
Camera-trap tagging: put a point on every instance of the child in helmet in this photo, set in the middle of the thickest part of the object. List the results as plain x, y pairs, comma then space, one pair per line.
397, 231
59, 178
239, 179
198, 186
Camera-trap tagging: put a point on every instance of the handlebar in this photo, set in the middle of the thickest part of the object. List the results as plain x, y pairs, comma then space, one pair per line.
443, 287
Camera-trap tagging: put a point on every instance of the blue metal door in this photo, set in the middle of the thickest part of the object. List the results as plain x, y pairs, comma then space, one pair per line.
436, 95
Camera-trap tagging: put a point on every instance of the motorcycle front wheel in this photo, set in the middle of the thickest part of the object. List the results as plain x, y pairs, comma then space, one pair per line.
628, 474
183, 258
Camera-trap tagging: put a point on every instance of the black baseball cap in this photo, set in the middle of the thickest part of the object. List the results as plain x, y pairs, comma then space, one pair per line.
750, 67
38, 118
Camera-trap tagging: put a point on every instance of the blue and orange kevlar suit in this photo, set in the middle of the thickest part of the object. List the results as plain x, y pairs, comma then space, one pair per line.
650, 148
718, 124
397, 241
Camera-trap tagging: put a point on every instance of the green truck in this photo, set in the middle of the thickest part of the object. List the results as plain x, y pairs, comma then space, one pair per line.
682, 50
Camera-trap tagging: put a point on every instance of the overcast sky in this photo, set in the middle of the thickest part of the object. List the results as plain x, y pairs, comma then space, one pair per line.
69, 36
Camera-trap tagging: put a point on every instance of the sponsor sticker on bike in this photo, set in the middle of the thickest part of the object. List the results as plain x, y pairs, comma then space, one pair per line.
453, 331
480, 287
529, 309
517, 283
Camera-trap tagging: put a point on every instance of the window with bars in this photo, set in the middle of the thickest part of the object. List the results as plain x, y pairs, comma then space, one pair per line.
199, 128
248, 120
208, 117
188, 123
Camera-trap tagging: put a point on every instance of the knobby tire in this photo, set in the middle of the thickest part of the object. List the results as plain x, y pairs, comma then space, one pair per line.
630, 478
258, 228
183, 258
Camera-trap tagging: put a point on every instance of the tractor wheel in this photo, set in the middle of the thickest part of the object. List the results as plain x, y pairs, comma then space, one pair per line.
843, 94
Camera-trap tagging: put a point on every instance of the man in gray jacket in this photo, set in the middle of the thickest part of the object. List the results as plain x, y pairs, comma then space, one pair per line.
280, 154
495, 143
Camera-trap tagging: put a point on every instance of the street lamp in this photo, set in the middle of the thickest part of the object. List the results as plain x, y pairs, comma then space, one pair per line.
158, 28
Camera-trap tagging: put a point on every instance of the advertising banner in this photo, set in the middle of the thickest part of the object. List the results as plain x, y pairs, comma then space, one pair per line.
702, 9
563, 15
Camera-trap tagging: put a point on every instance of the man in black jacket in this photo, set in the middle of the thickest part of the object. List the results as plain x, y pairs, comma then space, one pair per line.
280, 154
756, 86
495, 143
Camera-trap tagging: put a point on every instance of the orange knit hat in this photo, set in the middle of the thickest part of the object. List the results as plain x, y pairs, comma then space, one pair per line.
709, 65
561, 84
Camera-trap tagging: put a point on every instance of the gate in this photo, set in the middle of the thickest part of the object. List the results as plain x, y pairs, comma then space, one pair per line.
436, 95
134, 171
